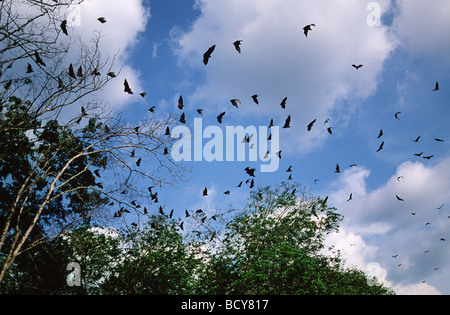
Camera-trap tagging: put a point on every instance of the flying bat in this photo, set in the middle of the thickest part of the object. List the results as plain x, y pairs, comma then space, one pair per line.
219, 118
64, 27
311, 124
350, 197
29, 69
71, 72
182, 118
307, 28
127, 88
357, 66
338, 170
381, 146
235, 102
237, 45
288, 122
180, 102
396, 115
436, 88
207, 54
255, 99
250, 171
283, 103
399, 199
38, 59
102, 20
380, 134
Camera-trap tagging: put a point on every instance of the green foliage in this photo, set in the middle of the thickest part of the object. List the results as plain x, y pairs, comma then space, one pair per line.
272, 246
155, 261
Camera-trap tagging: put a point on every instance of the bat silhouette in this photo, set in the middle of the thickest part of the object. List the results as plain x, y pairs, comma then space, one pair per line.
219, 118
83, 111
127, 88
237, 45
311, 124
235, 102
38, 59
71, 72
357, 66
396, 115
350, 197
29, 68
205, 192
180, 102
307, 28
182, 118
338, 170
399, 199
207, 54
102, 20
96, 72
64, 27
250, 171
7, 85
381, 146
288, 122
436, 88
283, 103
255, 99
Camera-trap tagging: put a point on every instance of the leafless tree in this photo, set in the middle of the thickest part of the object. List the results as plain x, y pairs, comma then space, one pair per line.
92, 163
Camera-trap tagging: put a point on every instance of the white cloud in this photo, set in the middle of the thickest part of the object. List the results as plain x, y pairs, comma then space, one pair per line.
416, 289
277, 60
381, 226
119, 35
422, 27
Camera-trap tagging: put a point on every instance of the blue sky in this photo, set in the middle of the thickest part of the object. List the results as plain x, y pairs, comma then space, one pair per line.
402, 58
